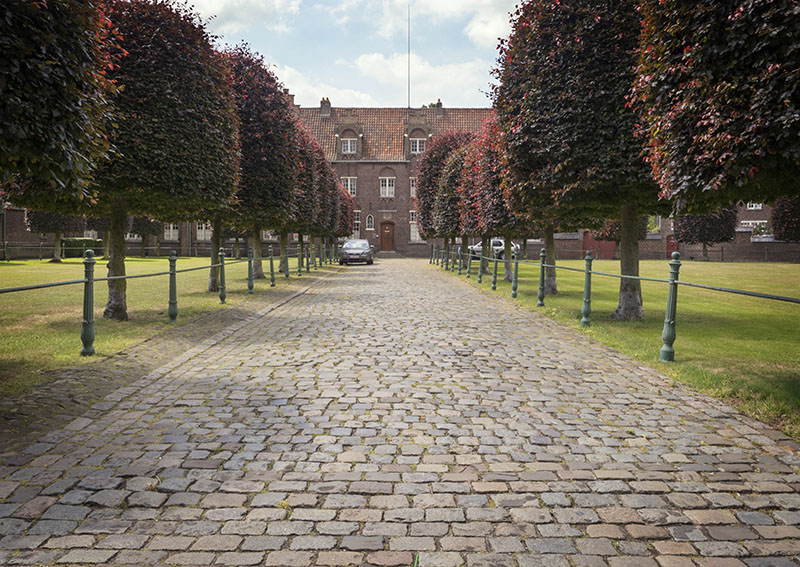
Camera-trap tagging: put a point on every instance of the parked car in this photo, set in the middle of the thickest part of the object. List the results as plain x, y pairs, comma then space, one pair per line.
497, 247
357, 251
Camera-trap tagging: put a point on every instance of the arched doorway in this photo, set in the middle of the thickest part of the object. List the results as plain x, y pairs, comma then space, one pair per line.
387, 236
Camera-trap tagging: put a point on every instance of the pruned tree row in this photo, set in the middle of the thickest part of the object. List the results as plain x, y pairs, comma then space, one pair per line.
607, 112
145, 117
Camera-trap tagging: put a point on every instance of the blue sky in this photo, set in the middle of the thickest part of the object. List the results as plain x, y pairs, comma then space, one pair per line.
355, 51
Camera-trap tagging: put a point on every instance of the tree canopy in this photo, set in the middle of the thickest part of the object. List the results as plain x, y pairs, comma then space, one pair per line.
786, 219
54, 112
430, 168
268, 141
717, 90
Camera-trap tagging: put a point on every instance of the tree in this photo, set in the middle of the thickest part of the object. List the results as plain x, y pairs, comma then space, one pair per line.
565, 73
55, 224
146, 227
611, 231
786, 219
446, 206
54, 91
430, 168
484, 161
176, 142
708, 229
716, 88
269, 148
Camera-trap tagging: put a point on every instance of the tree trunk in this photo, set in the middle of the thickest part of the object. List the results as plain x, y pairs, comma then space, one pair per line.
524, 252
616, 250
705, 252
283, 265
56, 249
216, 241
236, 250
107, 245
301, 247
483, 263
258, 265
630, 291
550, 278
117, 304
464, 251
507, 258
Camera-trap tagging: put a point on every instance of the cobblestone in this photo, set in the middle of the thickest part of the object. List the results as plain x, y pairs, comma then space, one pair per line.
371, 420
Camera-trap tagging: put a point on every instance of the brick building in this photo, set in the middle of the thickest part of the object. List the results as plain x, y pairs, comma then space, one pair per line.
375, 153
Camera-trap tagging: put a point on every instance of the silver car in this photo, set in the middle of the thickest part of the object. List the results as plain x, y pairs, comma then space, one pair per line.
498, 248
356, 251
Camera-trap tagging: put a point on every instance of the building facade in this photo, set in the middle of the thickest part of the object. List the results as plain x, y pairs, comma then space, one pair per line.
375, 152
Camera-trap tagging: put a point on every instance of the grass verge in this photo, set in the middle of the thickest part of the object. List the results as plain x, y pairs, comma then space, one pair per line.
40, 329
743, 350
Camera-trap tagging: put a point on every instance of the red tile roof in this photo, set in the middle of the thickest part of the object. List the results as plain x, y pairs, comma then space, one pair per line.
384, 127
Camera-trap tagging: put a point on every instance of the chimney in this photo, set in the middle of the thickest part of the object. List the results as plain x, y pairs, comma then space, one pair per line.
439, 109
289, 95
325, 107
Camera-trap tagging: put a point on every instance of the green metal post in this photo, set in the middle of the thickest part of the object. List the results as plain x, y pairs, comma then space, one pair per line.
435, 254
480, 268
586, 311
222, 294
250, 269
453, 260
172, 310
542, 257
515, 278
271, 268
317, 265
494, 273
459, 261
469, 263
87, 326
308, 259
430, 258
668, 335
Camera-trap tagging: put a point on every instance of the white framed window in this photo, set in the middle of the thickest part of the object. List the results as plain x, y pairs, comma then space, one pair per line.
387, 186
266, 235
417, 145
413, 228
132, 236
171, 231
356, 224
349, 145
753, 223
203, 231
412, 187
754, 206
349, 183
90, 234
370, 222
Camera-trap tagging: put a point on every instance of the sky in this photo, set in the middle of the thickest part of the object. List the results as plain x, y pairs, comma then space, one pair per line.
355, 52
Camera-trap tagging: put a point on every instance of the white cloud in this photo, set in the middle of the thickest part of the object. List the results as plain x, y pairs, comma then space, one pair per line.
234, 16
341, 10
308, 91
488, 19
455, 81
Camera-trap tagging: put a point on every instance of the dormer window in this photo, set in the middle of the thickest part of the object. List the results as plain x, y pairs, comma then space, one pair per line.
349, 145
417, 145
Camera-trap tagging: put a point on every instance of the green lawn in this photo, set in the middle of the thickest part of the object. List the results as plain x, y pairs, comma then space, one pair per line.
743, 350
40, 329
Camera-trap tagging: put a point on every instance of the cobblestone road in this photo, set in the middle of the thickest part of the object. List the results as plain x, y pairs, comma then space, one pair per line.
393, 411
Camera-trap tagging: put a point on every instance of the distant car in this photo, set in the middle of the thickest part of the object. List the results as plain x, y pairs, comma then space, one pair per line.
497, 246
357, 251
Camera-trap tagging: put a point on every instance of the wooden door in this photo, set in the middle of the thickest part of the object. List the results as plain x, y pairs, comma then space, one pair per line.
387, 236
